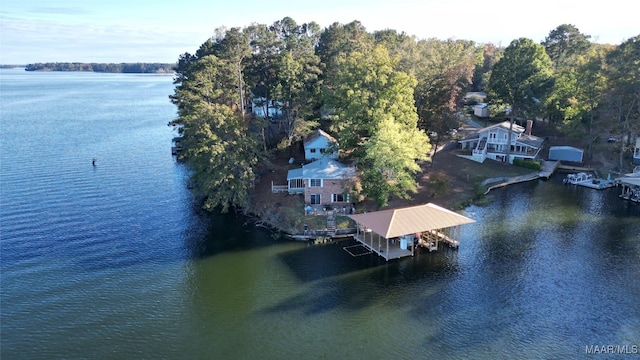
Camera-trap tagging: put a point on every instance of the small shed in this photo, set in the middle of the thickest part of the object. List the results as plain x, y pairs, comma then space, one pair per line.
565, 153
481, 110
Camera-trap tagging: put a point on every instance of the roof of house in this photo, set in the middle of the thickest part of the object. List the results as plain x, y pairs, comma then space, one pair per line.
530, 140
319, 133
565, 148
410, 220
504, 125
630, 180
324, 168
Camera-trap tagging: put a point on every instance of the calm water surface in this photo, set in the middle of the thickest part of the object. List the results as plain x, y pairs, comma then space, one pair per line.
116, 262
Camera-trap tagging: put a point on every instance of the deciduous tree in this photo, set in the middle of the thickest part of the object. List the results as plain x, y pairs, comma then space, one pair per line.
521, 79
376, 123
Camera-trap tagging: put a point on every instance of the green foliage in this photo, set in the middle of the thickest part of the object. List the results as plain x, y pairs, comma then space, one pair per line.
439, 183
444, 70
217, 143
221, 154
529, 164
376, 122
563, 45
522, 77
377, 90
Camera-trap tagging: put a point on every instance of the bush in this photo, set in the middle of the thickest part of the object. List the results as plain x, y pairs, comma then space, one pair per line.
529, 164
439, 183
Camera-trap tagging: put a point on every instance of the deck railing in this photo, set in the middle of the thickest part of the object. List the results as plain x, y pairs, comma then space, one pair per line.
279, 188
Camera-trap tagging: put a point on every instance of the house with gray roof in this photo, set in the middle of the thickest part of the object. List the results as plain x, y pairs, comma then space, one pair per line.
322, 182
320, 145
492, 142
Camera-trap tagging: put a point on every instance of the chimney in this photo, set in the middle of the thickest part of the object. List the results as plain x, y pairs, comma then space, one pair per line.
529, 126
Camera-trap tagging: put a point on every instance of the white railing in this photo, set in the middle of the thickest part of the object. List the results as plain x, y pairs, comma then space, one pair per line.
279, 188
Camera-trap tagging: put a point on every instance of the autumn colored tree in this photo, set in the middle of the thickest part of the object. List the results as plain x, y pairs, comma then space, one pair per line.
444, 71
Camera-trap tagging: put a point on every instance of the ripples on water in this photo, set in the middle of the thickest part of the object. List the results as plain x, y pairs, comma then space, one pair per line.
113, 261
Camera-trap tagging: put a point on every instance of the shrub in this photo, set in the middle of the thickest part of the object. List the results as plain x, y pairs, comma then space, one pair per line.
529, 164
439, 183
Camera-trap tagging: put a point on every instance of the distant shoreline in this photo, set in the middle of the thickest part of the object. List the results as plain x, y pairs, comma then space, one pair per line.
128, 68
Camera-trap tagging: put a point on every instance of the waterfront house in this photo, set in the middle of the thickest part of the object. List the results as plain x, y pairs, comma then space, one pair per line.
320, 145
322, 182
491, 143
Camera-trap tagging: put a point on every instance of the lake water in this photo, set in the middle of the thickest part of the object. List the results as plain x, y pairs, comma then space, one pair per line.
115, 261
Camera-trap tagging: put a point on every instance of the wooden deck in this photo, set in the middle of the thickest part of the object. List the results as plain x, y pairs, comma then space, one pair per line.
548, 168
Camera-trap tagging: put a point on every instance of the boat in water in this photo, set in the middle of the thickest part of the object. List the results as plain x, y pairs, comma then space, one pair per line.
588, 180
578, 178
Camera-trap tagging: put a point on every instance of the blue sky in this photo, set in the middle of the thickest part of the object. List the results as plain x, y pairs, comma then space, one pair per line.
159, 31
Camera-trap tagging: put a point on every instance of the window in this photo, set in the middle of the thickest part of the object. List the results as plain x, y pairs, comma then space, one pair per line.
315, 199
313, 151
296, 183
315, 182
340, 198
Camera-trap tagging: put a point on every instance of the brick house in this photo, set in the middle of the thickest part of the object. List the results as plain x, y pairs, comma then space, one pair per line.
322, 182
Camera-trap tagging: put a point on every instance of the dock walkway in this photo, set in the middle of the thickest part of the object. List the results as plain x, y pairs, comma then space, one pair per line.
548, 168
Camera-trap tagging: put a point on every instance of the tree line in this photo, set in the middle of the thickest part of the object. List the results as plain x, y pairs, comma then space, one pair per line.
103, 67
379, 93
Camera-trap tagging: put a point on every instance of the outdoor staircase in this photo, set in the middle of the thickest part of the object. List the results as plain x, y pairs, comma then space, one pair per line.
331, 222
482, 145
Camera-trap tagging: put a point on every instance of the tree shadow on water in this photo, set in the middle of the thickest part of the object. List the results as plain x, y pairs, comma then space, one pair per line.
336, 279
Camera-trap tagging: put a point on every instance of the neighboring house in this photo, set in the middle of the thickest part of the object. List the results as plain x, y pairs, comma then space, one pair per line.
259, 107
636, 152
321, 182
481, 110
491, 143
320, 145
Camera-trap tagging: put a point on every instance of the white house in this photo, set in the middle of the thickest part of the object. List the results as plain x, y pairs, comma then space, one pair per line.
492, 142
636, 152
321, 182
320, 145
260, 107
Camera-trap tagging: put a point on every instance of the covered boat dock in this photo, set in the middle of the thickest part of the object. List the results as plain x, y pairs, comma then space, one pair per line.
395, 233
630, 187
